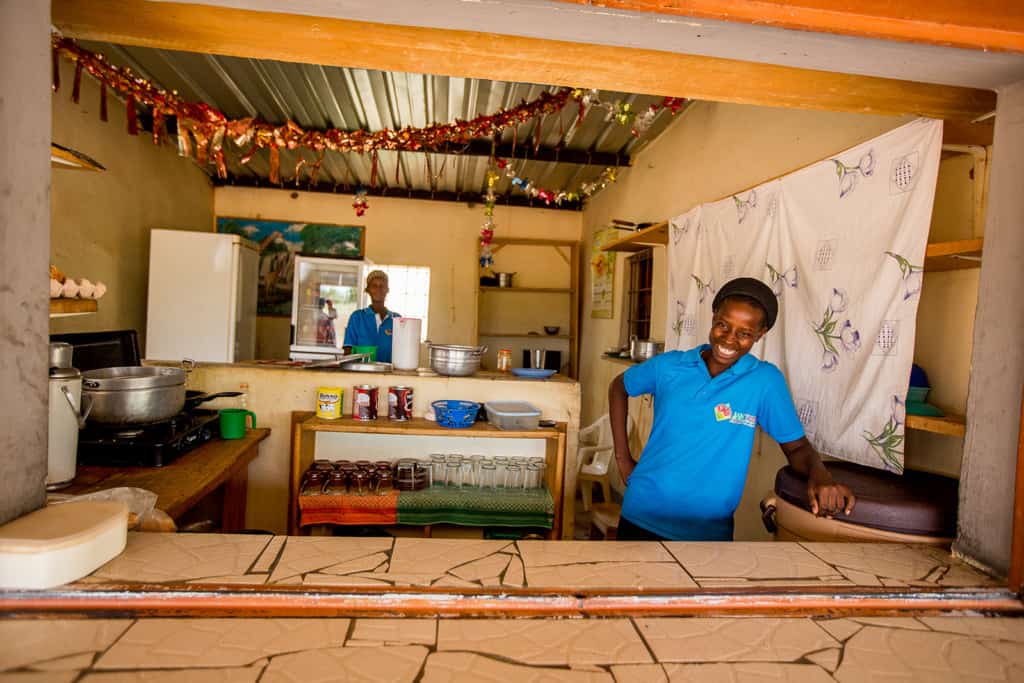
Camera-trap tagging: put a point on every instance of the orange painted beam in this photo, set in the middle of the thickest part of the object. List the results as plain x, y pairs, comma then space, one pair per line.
979, 25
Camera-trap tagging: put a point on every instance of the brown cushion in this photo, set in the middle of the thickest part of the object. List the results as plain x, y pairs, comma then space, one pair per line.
914, 503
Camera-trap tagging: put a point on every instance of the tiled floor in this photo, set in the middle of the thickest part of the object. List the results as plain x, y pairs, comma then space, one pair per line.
567, 565
954, 648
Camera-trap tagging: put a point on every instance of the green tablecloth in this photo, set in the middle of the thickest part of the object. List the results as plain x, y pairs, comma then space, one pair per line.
475, 507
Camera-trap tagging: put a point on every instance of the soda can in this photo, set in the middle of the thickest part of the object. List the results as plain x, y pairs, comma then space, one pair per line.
400, 403
328, 402
364, 402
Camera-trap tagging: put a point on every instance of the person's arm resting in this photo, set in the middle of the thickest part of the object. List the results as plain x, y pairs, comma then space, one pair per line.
618, 408
827, 498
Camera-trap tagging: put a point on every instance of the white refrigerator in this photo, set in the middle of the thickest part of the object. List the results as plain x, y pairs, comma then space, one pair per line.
326, 291
202, 296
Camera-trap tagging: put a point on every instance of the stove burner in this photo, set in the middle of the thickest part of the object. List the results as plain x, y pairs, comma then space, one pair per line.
151, 445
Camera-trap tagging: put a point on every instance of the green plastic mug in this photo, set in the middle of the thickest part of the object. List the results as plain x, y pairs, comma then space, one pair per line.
232, 422
372, 350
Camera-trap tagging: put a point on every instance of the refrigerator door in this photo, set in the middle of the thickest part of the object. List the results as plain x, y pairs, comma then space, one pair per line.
247, 285
325, 293
193, 290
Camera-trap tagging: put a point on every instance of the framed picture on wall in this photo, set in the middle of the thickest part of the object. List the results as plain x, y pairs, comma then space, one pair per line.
280, 241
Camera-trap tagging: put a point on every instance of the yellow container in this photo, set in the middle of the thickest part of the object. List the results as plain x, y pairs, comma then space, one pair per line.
329, 402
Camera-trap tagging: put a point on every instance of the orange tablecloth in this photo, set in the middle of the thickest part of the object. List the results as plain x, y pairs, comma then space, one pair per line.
348, 509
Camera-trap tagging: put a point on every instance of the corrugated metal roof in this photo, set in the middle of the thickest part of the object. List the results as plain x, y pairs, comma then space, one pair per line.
322, 97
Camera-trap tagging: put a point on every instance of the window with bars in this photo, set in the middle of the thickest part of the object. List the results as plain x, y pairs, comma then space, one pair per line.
639, 279
408, 292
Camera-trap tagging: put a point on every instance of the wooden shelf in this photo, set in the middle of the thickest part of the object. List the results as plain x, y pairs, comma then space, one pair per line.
62, 307
418, 426
525, 336
956, 255
950, 425
656, 235
535, 290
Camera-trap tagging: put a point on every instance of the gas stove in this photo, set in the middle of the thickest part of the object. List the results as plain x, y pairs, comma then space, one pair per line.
150, 445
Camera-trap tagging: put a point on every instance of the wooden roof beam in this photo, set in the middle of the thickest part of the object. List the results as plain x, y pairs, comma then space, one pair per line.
470, 54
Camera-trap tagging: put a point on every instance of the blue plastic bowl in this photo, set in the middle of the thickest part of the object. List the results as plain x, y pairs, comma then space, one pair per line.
455, 414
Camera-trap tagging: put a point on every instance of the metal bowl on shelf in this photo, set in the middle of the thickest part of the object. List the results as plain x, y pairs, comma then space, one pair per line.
360, 366
455, 360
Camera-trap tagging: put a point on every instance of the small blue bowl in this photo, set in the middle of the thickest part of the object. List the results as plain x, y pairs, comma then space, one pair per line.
455, 414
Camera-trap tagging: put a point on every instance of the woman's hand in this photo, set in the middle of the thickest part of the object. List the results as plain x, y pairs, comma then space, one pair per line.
828, 498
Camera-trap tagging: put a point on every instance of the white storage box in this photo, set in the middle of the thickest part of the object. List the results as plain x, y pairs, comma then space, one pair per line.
514, 415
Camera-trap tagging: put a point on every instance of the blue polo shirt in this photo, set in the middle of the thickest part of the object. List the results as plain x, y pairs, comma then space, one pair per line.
691, 473
361, 330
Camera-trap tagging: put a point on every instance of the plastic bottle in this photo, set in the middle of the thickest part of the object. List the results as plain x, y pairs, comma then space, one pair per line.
243, 400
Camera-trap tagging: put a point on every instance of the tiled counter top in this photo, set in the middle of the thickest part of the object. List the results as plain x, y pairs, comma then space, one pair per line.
274, 608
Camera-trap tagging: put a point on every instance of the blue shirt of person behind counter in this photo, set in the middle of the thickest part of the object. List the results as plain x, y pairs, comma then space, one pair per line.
362, 330
691, 474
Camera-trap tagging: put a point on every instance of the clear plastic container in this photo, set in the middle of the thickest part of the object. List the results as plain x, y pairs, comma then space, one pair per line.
514, 415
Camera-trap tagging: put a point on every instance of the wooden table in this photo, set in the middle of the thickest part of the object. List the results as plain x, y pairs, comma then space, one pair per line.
187, 480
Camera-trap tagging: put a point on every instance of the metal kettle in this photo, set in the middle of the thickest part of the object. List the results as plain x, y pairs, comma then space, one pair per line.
65, 387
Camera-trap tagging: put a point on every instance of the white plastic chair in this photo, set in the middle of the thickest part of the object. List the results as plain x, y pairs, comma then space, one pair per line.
596, 459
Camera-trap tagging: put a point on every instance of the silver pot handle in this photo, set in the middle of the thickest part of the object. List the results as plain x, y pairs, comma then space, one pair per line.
90, 384
71, 402
188, 365
482, 350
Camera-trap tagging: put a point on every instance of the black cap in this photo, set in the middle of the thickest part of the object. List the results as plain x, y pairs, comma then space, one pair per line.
754, 289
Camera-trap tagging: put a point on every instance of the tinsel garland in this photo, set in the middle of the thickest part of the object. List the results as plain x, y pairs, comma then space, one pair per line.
202, 129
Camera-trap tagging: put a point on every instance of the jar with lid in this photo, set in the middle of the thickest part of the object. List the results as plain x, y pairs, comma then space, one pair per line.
336, 484
505, 360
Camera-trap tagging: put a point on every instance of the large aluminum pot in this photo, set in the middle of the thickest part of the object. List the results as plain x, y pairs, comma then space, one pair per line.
455, 360
644, 349
134, 394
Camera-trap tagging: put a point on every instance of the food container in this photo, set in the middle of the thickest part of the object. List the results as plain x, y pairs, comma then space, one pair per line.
455, 360
644, 349
456, 414
514, 415
328, 402
504, 279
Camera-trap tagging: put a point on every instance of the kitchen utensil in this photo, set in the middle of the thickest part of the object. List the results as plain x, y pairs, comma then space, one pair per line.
370, 351
358, 366
139, 395
455, 360
233, 422
455, 414
405, 352
551, 329
538, 357
64, 423
532, 373
60, 354
504, 279
644, 349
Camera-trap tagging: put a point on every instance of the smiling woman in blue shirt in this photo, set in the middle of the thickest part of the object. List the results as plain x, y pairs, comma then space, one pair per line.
690, 475
372, 326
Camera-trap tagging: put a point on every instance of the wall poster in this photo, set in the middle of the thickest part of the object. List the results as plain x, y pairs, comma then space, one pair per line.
280, 241
602, 275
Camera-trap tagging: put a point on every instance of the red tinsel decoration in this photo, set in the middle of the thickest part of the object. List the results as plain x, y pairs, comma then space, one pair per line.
133, 121
209, 126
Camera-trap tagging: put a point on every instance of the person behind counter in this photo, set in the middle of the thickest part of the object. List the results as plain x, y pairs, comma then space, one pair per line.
372, 326
691, 474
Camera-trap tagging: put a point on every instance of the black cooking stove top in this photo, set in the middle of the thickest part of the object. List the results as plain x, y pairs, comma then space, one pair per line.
152, 445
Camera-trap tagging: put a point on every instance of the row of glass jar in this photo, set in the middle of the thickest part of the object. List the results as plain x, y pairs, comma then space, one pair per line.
455, 470
362, 478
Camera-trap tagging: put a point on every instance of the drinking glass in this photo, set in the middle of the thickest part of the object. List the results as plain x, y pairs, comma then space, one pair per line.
513, 476
500, 462
437, 462
453, 474
488, 475
534, 476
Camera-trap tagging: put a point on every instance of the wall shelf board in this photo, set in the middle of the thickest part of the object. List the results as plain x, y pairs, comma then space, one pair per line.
950, 425
656, 235
62, 307
955, 255
67, 158
528, 290
526, 336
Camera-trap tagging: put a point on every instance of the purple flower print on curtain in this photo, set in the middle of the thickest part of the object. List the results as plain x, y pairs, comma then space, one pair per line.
847, 336
848, 175
912, 275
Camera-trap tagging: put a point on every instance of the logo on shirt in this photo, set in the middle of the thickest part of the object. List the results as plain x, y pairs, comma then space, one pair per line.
725, 413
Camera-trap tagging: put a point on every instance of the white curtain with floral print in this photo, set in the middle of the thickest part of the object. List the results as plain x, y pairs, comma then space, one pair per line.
842, 243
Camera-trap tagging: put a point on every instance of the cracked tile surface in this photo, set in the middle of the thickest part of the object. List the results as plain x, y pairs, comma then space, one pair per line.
746, 673
397, 664
464, 667
916, 565
161, 558
25, 642
304, 554
438, 556
729, 639
748, 560
640, 575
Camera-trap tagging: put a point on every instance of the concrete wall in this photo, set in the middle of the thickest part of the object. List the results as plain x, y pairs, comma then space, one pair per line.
101, 221
713, 150
441, 235
24, 248
993, 409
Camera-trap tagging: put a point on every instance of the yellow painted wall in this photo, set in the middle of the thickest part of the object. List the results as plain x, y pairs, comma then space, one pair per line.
100, 222
441, 235
712, 150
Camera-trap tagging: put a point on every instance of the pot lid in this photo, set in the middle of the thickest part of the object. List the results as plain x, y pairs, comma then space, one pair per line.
64, 373
132, 377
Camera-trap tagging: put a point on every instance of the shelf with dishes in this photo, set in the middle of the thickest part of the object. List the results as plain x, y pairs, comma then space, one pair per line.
64, 307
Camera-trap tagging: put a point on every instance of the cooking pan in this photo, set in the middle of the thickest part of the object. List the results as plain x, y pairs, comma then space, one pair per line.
134, 395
